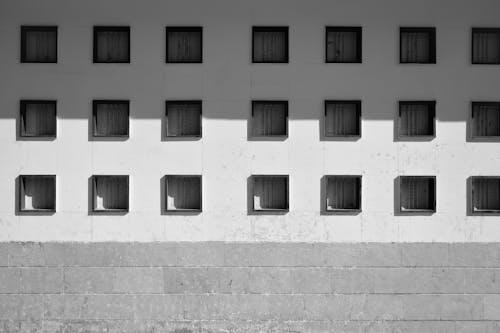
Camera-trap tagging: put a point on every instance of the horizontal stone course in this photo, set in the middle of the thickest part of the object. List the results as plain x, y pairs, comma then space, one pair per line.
126, 280
255, 326
251, 254
244, 287
248, 280
250, 306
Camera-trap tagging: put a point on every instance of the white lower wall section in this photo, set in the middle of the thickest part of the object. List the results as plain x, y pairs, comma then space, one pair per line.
226, 82
226, 161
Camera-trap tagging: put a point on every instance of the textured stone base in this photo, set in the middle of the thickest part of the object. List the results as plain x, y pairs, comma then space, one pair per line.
241, 287
253, 326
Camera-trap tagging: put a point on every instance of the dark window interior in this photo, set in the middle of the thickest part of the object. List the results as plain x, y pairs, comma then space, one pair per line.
418, 45
485, 119
270, 44
111, 118
184, 44
417, 118
269, 118
112, 44
183, 118
39, 44
343, 44
486, 45
183, 193
110, 193
342, 118
417, 194
270, 193
38, 118
37, 193
343, 193
486, 194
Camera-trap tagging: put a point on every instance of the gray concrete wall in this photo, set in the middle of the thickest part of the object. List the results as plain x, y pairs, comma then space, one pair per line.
243, 287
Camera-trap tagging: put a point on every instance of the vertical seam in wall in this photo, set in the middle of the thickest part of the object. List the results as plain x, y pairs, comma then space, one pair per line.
63, 278
63, 297
395, 128
18, 275
464, 285
448, 259
483, 315
401, 255
202, 157
224, 248
89, 205
330, 278
184, 311
7, 249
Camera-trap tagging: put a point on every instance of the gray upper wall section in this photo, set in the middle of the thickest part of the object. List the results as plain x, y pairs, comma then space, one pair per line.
227, 81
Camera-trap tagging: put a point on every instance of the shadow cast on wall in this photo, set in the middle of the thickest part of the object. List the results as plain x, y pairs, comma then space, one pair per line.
241, 110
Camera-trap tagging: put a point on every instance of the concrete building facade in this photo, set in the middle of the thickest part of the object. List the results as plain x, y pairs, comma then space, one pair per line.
223, 266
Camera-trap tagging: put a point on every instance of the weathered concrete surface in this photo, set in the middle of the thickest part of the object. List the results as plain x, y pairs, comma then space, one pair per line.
227, 81
244, 287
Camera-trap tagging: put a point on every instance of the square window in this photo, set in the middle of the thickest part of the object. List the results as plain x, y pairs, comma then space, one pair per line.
343, 193
110, 118
343, 44
110, 193
183, 193
485, 120
39, 44
269, 118
342, 118
417, 45
111, 44
486, 46
37, 193
183, 118
270, 193
417, 194
184, 44
270, 45
485, 195
417, 119
38, 119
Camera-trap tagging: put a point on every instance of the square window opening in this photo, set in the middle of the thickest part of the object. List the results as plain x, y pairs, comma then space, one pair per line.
269, 118
37, 193
417, 119
486, 195
184, 44
270, 45
343, 193
39, 44
111, 118
183, 118
418, 45
110, 193
485, 120
38, 119
343, 44
417, 194
342, 118
183, 193
486, 45
111, 44
270, 193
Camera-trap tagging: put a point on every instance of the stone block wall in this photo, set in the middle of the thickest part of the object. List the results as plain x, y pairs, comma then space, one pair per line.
249, 287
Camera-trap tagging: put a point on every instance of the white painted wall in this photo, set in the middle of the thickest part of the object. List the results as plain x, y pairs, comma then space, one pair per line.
227, 82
